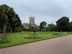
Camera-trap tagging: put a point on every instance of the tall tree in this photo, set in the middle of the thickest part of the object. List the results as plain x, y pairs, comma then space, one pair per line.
62, 24
13, 18
43, 25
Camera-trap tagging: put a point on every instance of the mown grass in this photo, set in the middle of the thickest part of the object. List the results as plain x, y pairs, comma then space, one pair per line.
18, 38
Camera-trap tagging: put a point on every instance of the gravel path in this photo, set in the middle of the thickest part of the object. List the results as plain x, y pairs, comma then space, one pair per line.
61, 45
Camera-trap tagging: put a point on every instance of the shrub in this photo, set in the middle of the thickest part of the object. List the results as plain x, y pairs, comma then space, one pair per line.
3, 39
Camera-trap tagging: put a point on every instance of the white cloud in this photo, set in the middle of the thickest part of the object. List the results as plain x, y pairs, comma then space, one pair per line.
44, 10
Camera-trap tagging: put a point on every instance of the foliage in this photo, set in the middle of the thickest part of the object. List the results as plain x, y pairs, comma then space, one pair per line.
8, 15
3, 19
62, 24
3, 39
43, 25
51, 27
70, 26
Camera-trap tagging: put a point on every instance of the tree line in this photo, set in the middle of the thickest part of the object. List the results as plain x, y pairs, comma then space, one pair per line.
63, 24
10, 22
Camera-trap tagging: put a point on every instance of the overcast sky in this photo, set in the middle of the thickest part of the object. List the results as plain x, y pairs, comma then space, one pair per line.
43, 10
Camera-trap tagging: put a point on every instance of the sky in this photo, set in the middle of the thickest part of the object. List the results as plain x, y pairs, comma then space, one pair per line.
43, 10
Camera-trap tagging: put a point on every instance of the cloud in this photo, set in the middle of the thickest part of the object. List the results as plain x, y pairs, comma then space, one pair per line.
43, 10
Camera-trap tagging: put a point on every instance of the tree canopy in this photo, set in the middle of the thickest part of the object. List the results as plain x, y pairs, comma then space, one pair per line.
43, 25
51, 27
8, 16
62, 24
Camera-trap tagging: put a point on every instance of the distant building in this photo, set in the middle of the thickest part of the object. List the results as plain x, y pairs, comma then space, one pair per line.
26, 25
32, 21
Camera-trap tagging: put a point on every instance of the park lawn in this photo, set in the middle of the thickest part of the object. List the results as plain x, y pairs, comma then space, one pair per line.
18, 38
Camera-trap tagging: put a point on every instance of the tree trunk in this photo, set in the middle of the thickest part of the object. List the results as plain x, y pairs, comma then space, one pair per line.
4, 39
4, 29
10, 29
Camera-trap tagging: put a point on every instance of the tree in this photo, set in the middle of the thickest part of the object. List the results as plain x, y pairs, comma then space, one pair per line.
15, 23
9, 21
4, 20
43, 25
3, 17
70, 26
13, 19
62, 24
51, 27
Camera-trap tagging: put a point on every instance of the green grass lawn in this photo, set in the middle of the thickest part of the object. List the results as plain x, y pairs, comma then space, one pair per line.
18, 38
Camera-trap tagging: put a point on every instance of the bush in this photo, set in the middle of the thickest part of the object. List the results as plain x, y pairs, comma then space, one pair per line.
3, 39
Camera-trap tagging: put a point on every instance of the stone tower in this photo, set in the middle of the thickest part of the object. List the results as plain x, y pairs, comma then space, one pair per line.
32, 21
